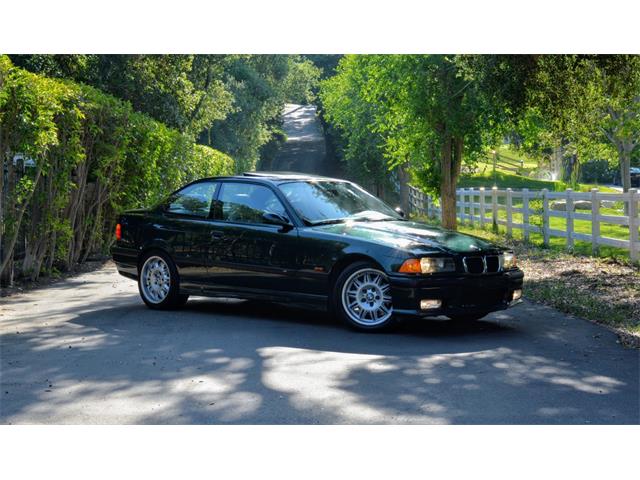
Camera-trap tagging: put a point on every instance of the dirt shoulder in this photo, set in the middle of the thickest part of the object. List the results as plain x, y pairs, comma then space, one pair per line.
24, 285
602, 290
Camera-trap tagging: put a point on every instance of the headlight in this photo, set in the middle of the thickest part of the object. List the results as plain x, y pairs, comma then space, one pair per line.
508, 260
437, 264
428, 265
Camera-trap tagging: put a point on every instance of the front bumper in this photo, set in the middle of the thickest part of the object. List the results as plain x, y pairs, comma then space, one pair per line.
460, 293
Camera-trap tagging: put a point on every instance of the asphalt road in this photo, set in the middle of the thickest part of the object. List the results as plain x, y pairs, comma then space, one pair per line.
86, 350
305, 149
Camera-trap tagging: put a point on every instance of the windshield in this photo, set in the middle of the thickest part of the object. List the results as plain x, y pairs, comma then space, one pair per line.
329, 201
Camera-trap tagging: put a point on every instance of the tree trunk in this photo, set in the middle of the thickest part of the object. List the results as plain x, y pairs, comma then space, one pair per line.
75, 208
556, 165
570, 169
6, 265
3, 157
624, 155
450, 163
403, 177
52, 252
16, 231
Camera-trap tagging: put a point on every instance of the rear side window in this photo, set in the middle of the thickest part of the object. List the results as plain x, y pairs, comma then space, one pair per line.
193, 200
246, 203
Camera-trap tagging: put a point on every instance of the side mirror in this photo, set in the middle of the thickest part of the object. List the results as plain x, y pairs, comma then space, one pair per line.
399, 211
276, 219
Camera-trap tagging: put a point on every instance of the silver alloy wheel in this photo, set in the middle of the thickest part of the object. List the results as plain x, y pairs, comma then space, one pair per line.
366, 297
155, 279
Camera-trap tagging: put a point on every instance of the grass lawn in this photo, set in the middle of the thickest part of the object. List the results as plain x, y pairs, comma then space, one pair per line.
506, 177
580, 226
503, 180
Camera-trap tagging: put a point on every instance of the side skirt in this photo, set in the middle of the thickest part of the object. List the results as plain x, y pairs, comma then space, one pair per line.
293, 299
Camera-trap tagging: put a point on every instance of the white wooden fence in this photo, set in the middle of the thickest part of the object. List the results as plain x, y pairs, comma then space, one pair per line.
482, 206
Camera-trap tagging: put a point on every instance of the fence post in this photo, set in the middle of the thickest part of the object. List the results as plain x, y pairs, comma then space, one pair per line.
634, 224
472, 210
482, 207
595, 221
569, 213
509, 211
525, 214
545, 217
494, 208
426, 205
464, 205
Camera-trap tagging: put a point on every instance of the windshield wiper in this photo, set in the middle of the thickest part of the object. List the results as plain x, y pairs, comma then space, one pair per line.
368, 219
331, 221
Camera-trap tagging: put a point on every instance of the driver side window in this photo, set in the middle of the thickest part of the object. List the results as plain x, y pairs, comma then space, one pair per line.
246, 203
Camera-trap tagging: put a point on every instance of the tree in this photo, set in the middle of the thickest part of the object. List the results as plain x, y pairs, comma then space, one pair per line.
260, 85
430, 112
89, 156
301, 81
590, 98
230, 102
345, 107
185, 92
326, 63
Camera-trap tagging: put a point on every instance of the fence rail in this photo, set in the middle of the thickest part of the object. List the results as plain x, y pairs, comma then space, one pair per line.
533, 211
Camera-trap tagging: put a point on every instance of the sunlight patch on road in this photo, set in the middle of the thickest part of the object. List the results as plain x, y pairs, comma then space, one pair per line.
327, 381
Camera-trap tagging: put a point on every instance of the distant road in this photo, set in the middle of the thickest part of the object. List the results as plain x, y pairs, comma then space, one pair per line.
305, 150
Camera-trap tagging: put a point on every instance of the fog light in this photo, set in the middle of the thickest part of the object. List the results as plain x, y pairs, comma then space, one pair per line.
517, 295
430, 304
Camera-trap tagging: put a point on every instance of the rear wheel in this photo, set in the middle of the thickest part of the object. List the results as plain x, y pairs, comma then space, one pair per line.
362, 297
158, 282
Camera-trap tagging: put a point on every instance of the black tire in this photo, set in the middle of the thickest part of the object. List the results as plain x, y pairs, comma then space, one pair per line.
339, 308
165, 301
468, 318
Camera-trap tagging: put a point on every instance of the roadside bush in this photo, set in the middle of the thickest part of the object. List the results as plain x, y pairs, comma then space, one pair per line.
598, 171
74, 157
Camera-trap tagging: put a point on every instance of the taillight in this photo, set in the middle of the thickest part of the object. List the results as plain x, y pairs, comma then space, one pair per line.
118, 232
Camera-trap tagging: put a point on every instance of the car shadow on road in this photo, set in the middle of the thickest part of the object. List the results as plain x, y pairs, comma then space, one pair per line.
115, 361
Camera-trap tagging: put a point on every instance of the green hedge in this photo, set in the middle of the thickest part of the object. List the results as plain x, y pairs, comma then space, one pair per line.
93, 157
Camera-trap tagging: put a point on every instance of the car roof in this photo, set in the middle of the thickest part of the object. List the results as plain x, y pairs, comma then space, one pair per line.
277, 177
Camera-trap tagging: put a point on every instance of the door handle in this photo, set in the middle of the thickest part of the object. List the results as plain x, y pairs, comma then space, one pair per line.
216, 235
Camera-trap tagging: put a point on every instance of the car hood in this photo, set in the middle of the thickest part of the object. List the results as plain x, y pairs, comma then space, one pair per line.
412, 236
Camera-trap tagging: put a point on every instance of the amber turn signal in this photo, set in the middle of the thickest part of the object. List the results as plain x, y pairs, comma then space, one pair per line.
411, 266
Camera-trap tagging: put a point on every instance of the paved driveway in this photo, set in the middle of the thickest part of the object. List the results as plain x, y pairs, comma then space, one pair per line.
86, 350
305, 149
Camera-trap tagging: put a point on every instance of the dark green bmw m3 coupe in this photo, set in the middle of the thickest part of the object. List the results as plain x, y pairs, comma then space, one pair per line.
311, 241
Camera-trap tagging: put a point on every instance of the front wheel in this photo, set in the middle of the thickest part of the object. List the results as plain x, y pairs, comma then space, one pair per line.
362, 297
158, 282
